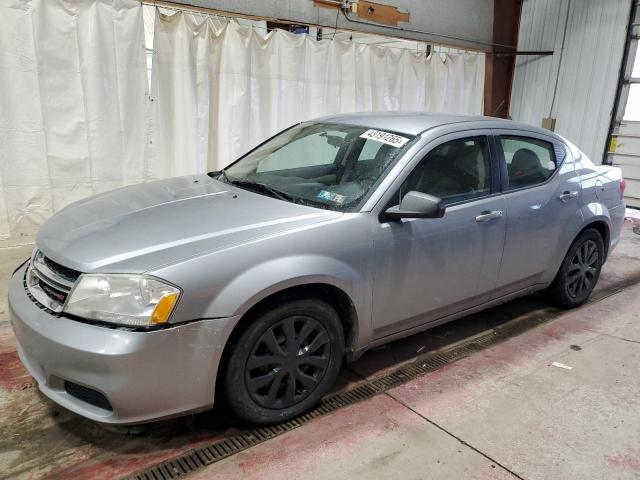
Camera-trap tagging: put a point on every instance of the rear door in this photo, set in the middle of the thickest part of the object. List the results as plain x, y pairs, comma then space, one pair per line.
541, 192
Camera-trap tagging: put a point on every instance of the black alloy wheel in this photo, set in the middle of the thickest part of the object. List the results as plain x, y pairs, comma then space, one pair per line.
583, 269
579, 271
288, 362
282, 361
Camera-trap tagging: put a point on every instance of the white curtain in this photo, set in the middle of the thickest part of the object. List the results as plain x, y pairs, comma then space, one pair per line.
75, 116
72, 105
219, 88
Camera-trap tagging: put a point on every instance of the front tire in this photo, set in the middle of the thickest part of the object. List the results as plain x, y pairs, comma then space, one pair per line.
284, 361
579, 271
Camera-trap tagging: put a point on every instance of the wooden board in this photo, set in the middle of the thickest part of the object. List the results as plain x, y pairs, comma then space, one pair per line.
376, 12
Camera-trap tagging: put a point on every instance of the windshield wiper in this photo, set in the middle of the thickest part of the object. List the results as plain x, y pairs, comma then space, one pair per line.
274, 192
219, 175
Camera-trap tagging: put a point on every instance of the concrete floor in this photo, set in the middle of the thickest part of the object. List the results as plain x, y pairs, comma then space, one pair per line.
503, 412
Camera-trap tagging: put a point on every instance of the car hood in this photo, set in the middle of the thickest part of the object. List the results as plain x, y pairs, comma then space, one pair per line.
142, 227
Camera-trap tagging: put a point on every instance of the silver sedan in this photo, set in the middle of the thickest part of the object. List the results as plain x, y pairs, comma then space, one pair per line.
256, 282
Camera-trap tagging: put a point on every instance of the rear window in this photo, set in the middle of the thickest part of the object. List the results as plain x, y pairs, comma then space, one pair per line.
529, 161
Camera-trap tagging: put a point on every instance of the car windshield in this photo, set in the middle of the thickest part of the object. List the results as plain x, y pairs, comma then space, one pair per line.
327, 165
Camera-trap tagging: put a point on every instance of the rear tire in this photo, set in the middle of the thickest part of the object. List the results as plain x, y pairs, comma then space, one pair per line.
579, 271
284, 361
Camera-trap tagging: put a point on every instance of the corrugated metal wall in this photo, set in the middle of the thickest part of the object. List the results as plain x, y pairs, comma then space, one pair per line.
576, 85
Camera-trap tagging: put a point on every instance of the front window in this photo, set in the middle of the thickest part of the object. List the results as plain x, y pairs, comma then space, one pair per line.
326, 165
455, 171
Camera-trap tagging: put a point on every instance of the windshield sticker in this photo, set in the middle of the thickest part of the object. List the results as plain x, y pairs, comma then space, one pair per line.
385, 137
332, 197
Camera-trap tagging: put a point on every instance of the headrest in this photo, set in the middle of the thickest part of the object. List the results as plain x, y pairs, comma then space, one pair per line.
524, 160
467, 156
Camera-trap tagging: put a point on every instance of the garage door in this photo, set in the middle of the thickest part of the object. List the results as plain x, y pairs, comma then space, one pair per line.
625, 153
624, 144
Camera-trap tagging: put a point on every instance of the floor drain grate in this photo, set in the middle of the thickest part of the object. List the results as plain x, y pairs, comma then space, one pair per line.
202, 456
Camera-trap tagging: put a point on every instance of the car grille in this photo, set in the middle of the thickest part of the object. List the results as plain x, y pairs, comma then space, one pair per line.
48, 282
88, 395
64, 272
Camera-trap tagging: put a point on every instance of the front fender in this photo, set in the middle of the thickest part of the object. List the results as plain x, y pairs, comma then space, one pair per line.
228, 282
271, 276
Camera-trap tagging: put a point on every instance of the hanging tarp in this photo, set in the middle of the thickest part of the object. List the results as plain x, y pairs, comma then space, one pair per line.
221, 88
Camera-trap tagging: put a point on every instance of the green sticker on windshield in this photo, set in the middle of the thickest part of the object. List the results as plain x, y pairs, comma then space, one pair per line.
332, 197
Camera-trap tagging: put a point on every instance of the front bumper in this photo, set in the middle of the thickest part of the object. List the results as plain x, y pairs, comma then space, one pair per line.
145, 376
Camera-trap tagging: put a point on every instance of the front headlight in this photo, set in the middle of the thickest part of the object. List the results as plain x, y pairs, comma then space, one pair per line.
134, 300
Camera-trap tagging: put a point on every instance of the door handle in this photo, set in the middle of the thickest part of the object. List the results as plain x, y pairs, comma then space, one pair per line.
567, 195
488, 215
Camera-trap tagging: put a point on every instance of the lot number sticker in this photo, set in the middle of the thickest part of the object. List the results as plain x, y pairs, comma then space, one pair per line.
385, 137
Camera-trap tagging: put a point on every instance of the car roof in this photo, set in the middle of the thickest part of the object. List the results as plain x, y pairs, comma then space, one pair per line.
414, 123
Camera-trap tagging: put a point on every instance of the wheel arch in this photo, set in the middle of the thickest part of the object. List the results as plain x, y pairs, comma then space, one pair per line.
596, 215
327, 292
603, 229
590, 216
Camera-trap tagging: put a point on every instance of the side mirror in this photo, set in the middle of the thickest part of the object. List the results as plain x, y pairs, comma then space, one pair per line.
417, 205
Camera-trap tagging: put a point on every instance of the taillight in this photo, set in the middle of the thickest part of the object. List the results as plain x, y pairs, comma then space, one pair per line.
623, 185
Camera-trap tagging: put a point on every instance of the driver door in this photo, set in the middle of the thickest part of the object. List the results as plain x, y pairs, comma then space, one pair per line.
426, 269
